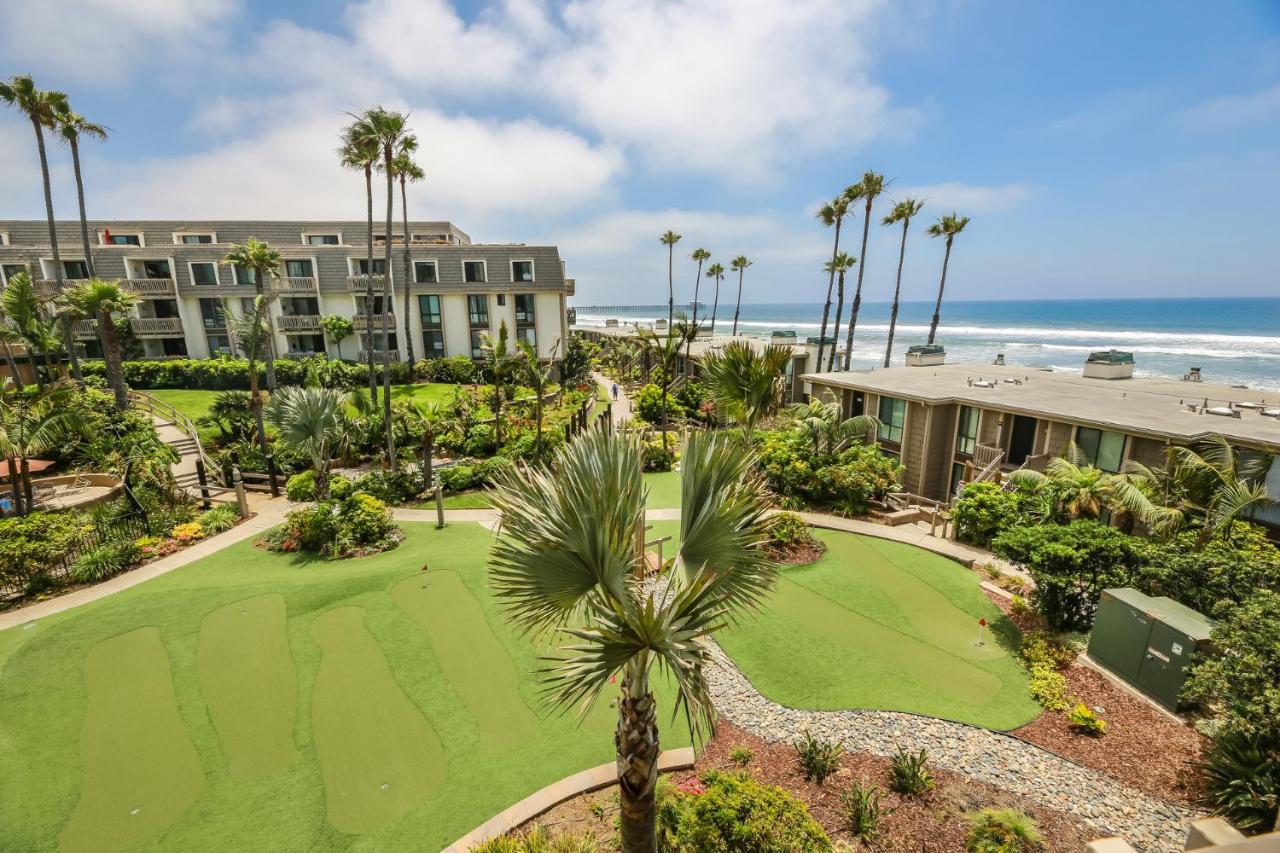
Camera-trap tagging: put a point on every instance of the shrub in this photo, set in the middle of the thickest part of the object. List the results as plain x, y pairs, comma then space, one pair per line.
360, 524
33, 545
220, 518
736, 813
480, 440
539, 840
1241, 675
1039, 649
103, 561
654, 457
986, 510
340, 487
862, 811
1085, 719
1049, 688
789, 534
818, 758
1002, 831
187, 532
392, 487
741, 755
151, 547
1201, 574
459, 477
301, 487
1242, 778
908, 773
367, 518
847, 480
647, 403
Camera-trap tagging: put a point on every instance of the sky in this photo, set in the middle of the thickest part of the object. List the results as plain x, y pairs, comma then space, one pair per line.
1101, 149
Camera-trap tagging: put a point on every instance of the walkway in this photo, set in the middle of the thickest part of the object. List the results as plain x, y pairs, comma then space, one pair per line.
620, 412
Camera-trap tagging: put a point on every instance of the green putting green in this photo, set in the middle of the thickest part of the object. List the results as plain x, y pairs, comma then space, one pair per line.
664, 490
259, 701
881, 624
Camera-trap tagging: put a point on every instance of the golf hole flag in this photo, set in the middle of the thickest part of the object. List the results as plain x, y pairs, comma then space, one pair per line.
982, 623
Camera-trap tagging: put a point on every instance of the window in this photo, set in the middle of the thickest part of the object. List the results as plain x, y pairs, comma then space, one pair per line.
75, 269
967, 430
502, 300
305, 344
204, 273
433, 343
893, 414
109, 239
424, 272
298, 269
527, 334
478, 309
245, 276
194, 239
246, 305
381, 239
363, 305
1101, 448
156, 269
524, 307
957, 475
211, 314
361, 266
8, 271
322, 239
429, 307
477, 343
522, 270
219, 345
4, 239
474, 271
431, 238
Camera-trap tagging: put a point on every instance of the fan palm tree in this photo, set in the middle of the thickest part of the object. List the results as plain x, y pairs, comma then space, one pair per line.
903, 211
536, 376
104, 301
42, 110
570, 562
32, 424
831, 213
949, 227
745, 384
828, 429
263, 261
868, 189
72, 127
502, 365
250, 331
431, 417
406, 170
739, 264
309, 420
360, 151
699, 255
715, 271
840, 264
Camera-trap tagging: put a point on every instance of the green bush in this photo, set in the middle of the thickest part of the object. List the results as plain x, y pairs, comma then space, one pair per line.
741, 755
848, 480
301, 487
1002, 831
360, 524
735, 814
655, 457
480, 440
392, 487
1240, 677
367, 518
986, 510
1242, 778
908, 773
818, 758
33, 545
220, 518
103, 561
1039, 649
647, 404
1049, 688
1201, 574
1085, 719
540, 840
471, 474
225, 374
863, 811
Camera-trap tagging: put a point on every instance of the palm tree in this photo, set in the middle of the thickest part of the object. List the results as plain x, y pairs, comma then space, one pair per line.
406, 170
32, 424
538, 377
42, 109
840, 264
902, 212
250, 332
715, 271
739, 264
668, 239
72, 126
431, 417
9, 337
263, 261
359, 151
746, 384
868, 189
104, 301
25, 324
949, 227
501, 364
310, 421
831, 213
828, 429
570, 560
699, 255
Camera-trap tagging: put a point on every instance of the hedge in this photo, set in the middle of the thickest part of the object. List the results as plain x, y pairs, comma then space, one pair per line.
232, 374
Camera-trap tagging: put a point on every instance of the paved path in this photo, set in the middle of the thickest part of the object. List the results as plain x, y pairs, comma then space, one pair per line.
620, 412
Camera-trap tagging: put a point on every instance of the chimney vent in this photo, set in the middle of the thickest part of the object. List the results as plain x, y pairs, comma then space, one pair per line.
1109, 364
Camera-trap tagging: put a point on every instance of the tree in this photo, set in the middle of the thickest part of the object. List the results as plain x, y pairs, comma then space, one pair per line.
668, 239
538, 377
739, 264
104, 301
699, 255
840, 264
250, 332
263, 261
309, 420
336, 330
746, 384
502, 365
715, 271
903, 211
406, 170
32, 423
570, 561
949, 227
431, 417
72, 127
42, 110
25, 323
1241, 675
829, 431
360, 151
831, 213
868, 189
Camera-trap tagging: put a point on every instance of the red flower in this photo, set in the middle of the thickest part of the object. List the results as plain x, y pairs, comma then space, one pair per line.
692, 785
982, 622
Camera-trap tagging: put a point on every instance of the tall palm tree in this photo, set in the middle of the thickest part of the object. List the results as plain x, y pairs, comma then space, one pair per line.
104, 301
251, 332
701, 256
745, 384
360, 151
9, 338
668, 239
263, 261
840, 264
831, 213
868, 189
72, 127
536, 376
949, 227
569, 563
903, 211
406, 170
502, 365
42, 110
310, 421
715, 271
738, 264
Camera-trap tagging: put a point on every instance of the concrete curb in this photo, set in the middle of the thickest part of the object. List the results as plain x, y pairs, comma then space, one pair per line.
601, 776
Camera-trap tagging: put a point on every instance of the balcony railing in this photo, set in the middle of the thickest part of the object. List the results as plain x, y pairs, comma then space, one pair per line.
289, 322
161, 327
47, 288
86, 329
294, 284
362, 322
151, 287
357, 282
379, 355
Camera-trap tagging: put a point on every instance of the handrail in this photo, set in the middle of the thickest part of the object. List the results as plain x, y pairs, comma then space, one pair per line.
156, 406
988, 472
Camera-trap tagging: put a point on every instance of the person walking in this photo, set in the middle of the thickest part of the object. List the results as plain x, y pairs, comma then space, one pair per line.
615, 391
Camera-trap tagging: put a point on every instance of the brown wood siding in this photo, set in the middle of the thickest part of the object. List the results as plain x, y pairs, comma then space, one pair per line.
941, 451
1147, 451
913, 444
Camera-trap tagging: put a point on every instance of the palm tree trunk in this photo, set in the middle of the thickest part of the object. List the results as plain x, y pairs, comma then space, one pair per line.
84, 220
637, 746
831, 280
937, 308
53, 248
15, 486
737, 306
27, 490
897, 289
270, 348
255, 403
857, 296
111, 353
688, 346
13, 366
671, 316
368, 284
408, 335
388, 299
715, 305
835, 330
428, 450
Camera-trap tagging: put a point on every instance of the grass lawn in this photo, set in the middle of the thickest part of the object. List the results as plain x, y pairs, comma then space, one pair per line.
257, 701
196, 403
880, 624
664, 490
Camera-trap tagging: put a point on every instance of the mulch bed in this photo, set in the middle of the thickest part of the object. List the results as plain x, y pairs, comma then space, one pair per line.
934, 822
800, 554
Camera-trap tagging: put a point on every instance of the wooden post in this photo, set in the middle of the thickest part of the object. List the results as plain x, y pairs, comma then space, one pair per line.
271, 473
203, 477
242, 500
439, 506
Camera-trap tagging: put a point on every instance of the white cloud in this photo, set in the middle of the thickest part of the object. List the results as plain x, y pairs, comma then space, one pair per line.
965, 199
1233, 111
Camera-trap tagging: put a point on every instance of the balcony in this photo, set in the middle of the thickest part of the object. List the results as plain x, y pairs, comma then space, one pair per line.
294, 284
362, 323
357, 282
380, 356
86, 329
298, 322
47, 288
157, 327
151, 288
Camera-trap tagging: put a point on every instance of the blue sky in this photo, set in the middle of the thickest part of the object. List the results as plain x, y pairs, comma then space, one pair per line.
1100, 148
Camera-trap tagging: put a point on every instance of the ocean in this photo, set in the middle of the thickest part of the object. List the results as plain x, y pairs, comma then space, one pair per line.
1232, 341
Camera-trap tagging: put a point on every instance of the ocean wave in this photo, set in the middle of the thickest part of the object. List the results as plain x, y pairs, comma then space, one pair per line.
1200, 352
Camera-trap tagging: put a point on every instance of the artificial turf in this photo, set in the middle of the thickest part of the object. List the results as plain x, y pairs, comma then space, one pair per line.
664, 490
880, 624
259, 701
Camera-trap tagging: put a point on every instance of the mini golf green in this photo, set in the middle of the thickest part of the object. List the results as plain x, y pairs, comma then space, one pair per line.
885, 625
258, 701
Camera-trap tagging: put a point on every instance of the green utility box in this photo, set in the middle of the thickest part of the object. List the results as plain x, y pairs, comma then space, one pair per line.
1149, 642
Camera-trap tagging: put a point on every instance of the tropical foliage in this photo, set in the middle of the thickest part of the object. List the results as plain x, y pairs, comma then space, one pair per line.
732, 811
746, 384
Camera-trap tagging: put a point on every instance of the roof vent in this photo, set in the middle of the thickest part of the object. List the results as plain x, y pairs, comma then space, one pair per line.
926, 355
1109, 364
